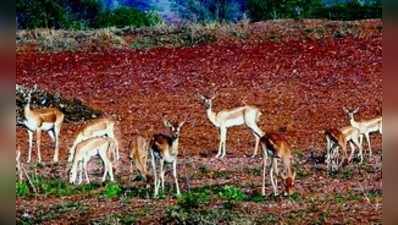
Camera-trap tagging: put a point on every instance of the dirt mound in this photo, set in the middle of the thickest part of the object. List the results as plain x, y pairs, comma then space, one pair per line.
74, 109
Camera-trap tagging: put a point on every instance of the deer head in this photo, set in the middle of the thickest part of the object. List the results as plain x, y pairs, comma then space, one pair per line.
288, 182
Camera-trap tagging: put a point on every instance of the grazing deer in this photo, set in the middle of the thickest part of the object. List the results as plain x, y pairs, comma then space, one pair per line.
44, 119
139, 155
105, 147
245, 115
96, 128
275, 146
164, 148
365, 127
336, 138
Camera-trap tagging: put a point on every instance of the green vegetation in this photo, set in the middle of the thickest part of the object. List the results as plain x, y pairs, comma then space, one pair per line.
78, 15
125, 16
22, 189
351, 10
51, 187
112, 190
232, 193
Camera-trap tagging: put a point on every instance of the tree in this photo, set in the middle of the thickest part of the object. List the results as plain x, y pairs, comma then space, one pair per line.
208, 10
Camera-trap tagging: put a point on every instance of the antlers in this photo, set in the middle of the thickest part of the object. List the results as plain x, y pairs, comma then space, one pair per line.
349, 111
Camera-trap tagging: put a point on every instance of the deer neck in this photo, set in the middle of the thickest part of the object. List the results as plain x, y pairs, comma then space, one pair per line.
27, 111
174, 146
212, 116
353, 122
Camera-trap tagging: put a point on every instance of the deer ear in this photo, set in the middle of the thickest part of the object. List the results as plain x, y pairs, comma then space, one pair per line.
294, 175
201, 97
182, 123
166, 123
356, 110
345, 109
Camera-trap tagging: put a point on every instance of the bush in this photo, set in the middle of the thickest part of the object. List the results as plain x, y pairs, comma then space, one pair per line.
190, 200
351, 10
22, 189
112, 190
209, 10
82, 14
232, 193
125, 16
43, 14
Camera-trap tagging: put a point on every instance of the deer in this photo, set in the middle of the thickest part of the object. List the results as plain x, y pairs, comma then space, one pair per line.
96, 128
105, 147
338, 138
365, 127
245, 115
139, 155
42, 119
275, 146
163, 148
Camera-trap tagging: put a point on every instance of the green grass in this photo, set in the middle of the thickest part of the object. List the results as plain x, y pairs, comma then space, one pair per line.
112, 190
51, 187
22, 189
232, 193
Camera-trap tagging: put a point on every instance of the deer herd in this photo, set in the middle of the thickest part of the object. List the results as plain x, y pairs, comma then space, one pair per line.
97, 138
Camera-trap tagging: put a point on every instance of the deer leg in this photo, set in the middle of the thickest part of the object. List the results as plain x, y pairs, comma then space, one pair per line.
328, 152
57, 130
271, 173
162, 173
369, 145
155, 194
80, 173
256, 145
344, 149
264, 171
224, 138
38, 141
108, 167
275, 165
359, 146
30, 133
352, 147
85, 164
219, 145
175, 177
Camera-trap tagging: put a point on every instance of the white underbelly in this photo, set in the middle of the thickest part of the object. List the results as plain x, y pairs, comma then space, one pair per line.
234, 122
169, 158
47, 126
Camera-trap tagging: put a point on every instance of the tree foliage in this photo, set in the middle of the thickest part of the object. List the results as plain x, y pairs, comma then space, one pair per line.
208, 10
276, 9
78, 14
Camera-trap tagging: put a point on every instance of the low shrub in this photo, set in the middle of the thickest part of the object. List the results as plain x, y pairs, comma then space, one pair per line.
232, 193
22, 189
112, 190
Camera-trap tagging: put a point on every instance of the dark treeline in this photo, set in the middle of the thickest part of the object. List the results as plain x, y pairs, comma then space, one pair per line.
83, 14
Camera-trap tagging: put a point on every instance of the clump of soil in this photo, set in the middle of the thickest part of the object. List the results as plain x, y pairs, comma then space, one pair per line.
74, 109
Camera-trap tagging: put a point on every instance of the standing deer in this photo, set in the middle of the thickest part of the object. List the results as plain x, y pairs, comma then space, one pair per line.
365, 127
105, 147
338, 138
44, 119
245, 115
96, 128
139, 155
275, 146
164, 149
